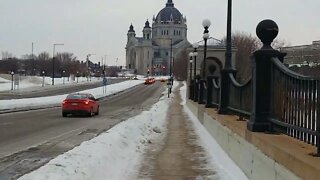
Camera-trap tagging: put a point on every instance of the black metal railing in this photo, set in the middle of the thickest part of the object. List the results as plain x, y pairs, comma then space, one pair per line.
240, 98
213, 93
275, 98
191, 90
205, 91
296, 103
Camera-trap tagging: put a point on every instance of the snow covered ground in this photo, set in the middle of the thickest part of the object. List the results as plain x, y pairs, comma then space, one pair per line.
34, 82
118, 152
54, 100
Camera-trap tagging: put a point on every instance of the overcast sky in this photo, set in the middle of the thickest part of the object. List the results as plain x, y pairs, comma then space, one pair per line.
100, 26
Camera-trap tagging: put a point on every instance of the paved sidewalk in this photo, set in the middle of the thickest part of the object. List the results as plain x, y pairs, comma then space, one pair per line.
176, 156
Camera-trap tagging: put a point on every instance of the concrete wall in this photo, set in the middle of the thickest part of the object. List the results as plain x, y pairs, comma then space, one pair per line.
254, 163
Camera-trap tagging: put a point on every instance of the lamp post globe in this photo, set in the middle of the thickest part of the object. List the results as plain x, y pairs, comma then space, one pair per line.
206, 36
191, 55
206, 23
195, 45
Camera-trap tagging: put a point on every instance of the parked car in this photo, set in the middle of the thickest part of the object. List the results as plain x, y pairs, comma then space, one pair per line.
80, 103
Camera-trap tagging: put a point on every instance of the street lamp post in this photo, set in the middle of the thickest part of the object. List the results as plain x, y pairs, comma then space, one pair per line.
88, 68
229, 43
224, 95
43, 78
190, 61
190, 81
12, 74
53, 58
104, 66
170, 61
206, 24
77, 76
63, 74
32, 60
195, 87
195, 54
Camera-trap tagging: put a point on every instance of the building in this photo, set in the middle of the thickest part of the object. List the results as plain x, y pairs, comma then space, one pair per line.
304, 54
165, 40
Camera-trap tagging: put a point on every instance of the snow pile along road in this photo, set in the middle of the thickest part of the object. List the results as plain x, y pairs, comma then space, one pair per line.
55, 100
115, 154
35, 82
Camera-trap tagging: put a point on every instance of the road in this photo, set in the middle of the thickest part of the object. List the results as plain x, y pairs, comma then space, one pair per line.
40, 135
53, 90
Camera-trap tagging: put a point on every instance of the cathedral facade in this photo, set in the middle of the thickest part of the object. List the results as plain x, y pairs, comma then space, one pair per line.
161, 43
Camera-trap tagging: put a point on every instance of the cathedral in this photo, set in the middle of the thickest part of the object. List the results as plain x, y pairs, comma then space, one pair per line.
165, 40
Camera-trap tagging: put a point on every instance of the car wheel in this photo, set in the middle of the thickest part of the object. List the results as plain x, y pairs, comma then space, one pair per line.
97, 113
64, 114
90, 113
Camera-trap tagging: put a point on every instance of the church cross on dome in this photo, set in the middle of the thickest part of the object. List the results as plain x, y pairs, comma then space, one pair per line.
170, 3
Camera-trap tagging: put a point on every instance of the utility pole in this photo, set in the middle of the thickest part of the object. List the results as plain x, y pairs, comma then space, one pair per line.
32, 60
53, 58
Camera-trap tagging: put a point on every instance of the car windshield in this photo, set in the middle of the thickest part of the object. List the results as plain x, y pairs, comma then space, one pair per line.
77, 96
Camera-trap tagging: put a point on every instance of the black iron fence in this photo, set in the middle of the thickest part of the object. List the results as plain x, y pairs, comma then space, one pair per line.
275, 98
240, 99
213, 94
295, 102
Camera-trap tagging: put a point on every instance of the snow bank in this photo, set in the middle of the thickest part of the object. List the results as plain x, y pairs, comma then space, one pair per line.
34, 82
226, 168
2, 80
116, 154
52, 100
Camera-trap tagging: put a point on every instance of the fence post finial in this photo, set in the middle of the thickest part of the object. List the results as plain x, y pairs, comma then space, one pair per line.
267, 31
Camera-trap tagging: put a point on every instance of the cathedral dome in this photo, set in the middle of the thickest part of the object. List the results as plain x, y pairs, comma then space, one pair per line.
169, 13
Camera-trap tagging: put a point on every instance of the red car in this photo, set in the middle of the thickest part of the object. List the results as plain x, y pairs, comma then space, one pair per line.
150, 81
80, 103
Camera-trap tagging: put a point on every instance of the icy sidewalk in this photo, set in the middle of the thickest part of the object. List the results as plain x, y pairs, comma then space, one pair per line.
188, 151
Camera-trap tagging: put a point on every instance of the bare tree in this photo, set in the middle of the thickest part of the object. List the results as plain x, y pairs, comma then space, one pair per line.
279, 43
246, 44
6, 55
